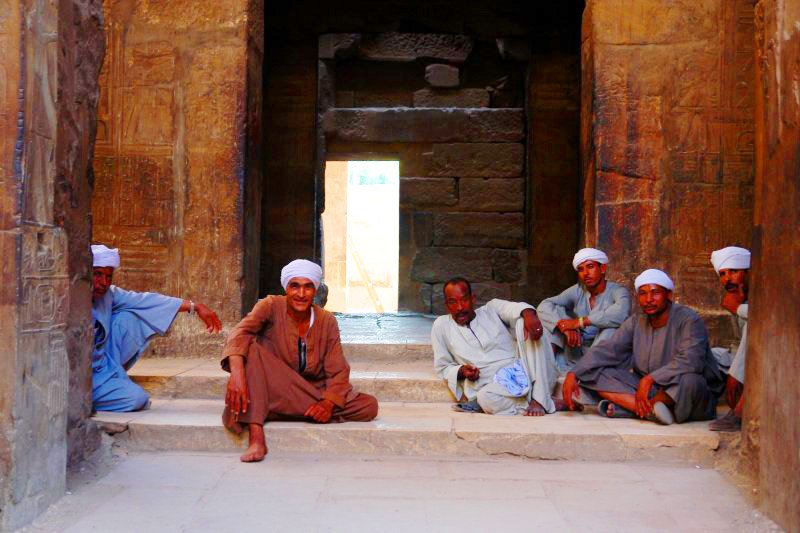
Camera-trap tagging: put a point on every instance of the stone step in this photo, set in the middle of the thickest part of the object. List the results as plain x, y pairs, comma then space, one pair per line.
204, 379
420, 429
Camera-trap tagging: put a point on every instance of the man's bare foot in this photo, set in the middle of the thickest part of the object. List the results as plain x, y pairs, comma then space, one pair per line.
535, 409
258, 445
561, 405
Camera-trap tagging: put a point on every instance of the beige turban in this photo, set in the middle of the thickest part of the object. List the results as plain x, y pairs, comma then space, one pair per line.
103, 256
301, 268
731, 257
654, 276
589, 254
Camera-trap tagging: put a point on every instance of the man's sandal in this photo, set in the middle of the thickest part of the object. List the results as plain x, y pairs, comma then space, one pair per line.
619, 412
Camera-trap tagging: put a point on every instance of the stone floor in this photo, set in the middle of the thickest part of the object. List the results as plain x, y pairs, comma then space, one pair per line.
215, 492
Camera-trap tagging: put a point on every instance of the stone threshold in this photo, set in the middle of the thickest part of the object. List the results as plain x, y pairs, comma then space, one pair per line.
413, 381
421, 429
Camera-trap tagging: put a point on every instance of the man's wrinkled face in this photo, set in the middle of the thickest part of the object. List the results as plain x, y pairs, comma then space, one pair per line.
101, 280
732, 278
300, 294
591, 274
460, 303
653, 299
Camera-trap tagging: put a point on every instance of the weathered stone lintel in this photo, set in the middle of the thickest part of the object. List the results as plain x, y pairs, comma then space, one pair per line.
406, 47
425, 124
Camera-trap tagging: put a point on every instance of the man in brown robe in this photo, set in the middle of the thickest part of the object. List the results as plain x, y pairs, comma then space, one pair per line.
657, 366
286, 362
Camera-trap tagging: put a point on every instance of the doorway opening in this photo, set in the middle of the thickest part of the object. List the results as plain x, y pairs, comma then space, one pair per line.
361, 236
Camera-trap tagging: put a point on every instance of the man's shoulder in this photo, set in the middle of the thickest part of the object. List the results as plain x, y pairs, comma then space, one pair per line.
440, 322
684, 312
613, 286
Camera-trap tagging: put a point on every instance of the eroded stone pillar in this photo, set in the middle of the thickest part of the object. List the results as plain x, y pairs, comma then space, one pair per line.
44, 198
173, 184
667, 138
772, 427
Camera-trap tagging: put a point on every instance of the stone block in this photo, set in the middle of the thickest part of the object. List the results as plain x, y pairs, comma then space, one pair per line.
438, 264
479, 160
383, 98
503, 195
445, 76
428, 191
508, 266
339, 45
393, 46
423, 229
501, 230
451, 98
425, 125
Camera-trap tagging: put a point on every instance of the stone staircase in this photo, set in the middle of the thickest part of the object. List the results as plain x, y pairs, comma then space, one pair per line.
395, 365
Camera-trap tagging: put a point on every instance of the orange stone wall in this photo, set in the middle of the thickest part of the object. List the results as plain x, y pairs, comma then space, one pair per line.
173, 180
667, 139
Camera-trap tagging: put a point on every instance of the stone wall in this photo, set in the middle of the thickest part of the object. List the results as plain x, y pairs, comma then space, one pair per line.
772, 429
668, 138
81, 45
174, 187
47, 99
450, 108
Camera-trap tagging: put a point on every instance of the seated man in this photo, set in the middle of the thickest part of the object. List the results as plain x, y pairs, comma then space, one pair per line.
124, 322
286, 362
732, 264
476, 354
588, 312
657, 366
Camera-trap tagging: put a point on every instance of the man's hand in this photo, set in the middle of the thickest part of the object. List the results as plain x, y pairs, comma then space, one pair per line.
533, 326
733, 298
237, 397
321, 411
643, 405
469, 372
570, 391
209, 318
568, 324
573, 338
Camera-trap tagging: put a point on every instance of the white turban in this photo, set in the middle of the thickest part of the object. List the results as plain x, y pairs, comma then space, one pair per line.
301, 268
103, 256
730, 257
654, 276
589, 254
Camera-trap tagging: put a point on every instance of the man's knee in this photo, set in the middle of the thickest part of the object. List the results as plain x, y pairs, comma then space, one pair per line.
694, 383
489, 400
370, 407
138, 398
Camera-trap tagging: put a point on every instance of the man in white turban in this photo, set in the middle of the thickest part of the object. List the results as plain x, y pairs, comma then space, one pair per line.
286, 362
657, 366
732, 265
124, 323
587, 312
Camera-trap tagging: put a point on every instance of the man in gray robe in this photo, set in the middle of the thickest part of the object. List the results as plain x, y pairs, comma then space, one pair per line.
657, 366
732, 265
585, 313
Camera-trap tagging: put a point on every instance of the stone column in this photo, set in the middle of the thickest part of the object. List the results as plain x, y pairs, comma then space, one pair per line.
771, 424
177, 133
46, 121
668, 138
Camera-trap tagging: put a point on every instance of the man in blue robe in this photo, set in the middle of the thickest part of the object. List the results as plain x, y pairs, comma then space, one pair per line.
124, 322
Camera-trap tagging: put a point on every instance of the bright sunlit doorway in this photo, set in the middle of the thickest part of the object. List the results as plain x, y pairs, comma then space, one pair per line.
361, 237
